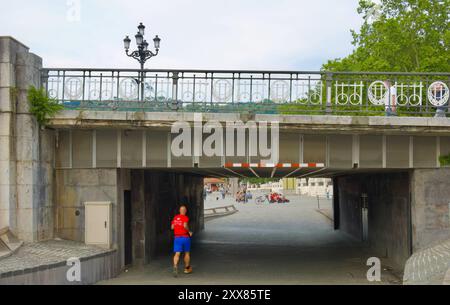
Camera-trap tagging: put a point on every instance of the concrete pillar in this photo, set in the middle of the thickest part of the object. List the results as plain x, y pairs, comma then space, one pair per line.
26, 152
138, 216
234, 185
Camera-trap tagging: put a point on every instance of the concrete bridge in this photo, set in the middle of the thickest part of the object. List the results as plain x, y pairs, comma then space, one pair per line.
308, 145
113, 144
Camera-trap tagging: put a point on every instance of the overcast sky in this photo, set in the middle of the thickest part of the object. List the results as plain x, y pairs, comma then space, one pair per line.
196, 34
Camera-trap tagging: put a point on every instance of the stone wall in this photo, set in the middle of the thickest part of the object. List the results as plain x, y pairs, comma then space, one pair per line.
388, 213
389, 216
74, 187
155, 197
430, 207
93, 270
26, 151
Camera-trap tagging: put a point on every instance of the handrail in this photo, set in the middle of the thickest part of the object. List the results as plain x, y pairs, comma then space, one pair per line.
214, 71
254, 91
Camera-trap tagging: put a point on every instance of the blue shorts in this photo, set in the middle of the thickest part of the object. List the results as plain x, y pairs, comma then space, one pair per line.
182, 245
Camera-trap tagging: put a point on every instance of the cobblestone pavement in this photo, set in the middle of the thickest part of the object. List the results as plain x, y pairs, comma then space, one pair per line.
34, 255
266, 244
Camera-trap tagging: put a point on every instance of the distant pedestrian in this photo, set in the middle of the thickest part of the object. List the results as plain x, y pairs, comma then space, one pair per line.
249, 196
223, 193
391, 99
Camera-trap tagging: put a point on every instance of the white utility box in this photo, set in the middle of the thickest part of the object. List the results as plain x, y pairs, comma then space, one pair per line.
98, 227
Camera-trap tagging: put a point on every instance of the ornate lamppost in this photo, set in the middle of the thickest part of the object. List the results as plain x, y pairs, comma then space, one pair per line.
142, 54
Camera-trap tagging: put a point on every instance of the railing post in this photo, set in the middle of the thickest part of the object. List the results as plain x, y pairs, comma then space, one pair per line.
44, 80
174, 102
329, 88
175, 78
142, 84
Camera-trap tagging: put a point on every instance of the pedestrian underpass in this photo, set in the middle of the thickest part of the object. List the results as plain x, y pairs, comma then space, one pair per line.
266, 244
145, 201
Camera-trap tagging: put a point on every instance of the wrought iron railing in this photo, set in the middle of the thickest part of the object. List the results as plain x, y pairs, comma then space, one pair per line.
283, 92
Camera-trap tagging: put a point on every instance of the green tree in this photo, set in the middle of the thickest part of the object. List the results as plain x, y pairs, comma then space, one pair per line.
258, 180
400, 35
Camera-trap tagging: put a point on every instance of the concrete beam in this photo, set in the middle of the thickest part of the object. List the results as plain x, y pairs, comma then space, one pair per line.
301, 123
336, 151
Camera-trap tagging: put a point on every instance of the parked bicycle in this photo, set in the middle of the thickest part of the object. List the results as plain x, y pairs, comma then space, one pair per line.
262, 199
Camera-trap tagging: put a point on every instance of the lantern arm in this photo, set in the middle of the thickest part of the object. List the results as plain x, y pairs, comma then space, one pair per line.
149, 54
134, 54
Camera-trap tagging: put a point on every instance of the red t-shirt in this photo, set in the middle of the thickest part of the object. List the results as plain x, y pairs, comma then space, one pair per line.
178, 226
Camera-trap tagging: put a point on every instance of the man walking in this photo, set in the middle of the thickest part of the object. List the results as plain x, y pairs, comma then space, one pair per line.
391, 99
182, 242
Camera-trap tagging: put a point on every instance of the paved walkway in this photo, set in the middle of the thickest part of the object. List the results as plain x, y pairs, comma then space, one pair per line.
268, 244
37, 255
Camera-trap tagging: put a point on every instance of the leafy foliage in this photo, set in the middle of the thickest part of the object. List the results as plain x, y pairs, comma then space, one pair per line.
445, 160
41, 106
400, 35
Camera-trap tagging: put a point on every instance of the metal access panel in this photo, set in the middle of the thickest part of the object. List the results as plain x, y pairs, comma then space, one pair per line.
106, 148
82, 148
290, 148
157, 151
371, 151
315, 149
397, 151
98, 227
131, 151
425, 152
340, 148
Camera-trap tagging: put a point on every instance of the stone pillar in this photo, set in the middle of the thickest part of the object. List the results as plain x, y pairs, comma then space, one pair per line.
9, 48
26, 152
430, 210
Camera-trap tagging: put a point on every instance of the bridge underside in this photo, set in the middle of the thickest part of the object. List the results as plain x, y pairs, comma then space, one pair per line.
300, 154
